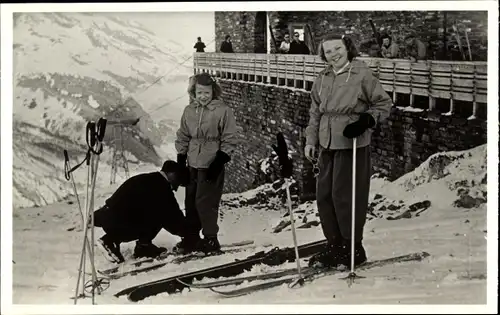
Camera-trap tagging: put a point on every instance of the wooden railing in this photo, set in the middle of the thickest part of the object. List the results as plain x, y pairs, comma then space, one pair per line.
452, 80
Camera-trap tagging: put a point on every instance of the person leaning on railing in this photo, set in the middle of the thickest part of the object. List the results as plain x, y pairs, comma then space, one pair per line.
389, 49
348, 102
227, 46
415, 48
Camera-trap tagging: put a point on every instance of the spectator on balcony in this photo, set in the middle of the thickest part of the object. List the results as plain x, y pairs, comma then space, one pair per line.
390, 49
348, 102
200, 46
227, 46
370, 48
205, 140
415, 48
285, 44
298, 47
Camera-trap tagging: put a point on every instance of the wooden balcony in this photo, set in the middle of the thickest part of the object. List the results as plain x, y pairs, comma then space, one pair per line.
452, 80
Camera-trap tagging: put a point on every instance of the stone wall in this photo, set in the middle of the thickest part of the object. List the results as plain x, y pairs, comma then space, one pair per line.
400, 144
429, 26
247, 30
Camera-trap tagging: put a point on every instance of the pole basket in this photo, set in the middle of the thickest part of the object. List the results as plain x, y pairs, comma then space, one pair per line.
351, 277
100, 285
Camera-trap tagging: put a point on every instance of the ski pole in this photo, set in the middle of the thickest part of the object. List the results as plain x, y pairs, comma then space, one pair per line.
352, 275
82, 268
70, 175
301, 278
91, 212
97, 138
93, 137
353, 213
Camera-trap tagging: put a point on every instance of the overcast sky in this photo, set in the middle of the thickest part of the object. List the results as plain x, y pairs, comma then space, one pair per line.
182, 27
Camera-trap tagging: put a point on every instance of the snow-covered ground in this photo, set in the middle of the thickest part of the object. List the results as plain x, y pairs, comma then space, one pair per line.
46, 254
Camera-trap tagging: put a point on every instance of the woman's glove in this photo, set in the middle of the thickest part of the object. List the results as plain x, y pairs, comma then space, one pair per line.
358, 127
184, 175
217, 165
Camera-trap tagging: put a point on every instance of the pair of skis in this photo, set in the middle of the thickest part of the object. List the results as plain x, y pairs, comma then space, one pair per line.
273, 257
158, 262
288, 276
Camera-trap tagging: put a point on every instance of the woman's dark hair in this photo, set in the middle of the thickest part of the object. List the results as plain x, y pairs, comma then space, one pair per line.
204, 79
352, 51
227, 36
386, 36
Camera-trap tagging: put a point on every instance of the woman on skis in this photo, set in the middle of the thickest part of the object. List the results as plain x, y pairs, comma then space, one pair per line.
205, 141
348, 102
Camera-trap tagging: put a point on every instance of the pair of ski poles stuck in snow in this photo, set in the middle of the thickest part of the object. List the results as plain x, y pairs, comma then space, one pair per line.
94, 137
286, 170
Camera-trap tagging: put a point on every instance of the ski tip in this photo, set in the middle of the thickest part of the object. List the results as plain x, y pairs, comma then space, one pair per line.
226, 293
132, 296
242, 243
182, 282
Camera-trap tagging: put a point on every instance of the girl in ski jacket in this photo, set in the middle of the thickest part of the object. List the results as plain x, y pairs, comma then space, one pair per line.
205, 140
348, 102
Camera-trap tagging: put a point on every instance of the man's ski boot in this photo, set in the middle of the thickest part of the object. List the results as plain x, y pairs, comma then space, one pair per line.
328, 258
147, 250
209, 246
110, 249
359, 254
186, 245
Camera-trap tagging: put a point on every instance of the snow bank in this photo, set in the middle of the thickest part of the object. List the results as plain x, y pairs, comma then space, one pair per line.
445, 179
444, 176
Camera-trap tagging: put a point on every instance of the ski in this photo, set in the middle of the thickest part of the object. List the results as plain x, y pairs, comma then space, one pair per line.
255, 287
170, 285
161, 263
311, 273
135, 263
199, 255
179, 257
239, 280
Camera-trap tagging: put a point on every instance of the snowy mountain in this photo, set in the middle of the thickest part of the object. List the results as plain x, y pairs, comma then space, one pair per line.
71, 68
451, 227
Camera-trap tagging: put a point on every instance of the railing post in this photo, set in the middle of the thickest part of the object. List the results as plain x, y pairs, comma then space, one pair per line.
304, 72
294, 72
277, 71
474, 92
268, 68
452, 103
314, 70
432, 100
286, 70
220, 65
233, 67
254, 72
394, 94
195, 66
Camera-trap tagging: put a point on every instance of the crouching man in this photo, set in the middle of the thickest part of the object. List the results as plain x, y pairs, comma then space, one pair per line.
138, 210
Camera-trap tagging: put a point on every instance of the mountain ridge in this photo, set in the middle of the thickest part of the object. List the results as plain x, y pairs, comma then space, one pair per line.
71, 68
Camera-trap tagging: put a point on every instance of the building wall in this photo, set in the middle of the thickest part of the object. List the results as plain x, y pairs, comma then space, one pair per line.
399, 145
429, 26
247, 31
